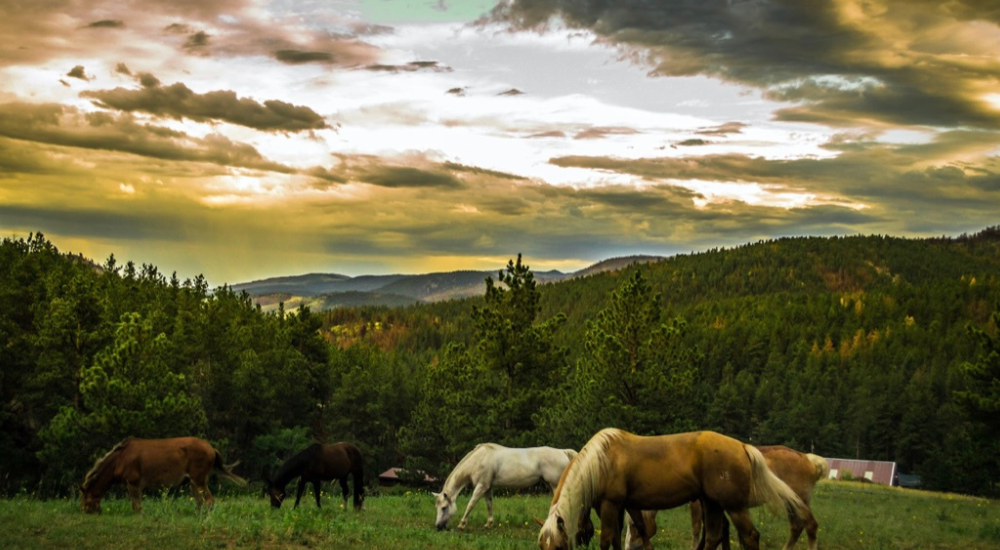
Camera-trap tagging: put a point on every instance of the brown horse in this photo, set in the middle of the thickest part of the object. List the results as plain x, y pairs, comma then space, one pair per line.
800, 471
155, 464
618, 471
318, 463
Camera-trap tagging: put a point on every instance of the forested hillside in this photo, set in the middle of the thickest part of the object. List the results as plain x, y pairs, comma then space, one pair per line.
874, 347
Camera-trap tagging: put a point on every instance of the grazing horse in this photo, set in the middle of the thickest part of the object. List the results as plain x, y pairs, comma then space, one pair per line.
491, 464
318, 463
800, 471
155, 464
617, 471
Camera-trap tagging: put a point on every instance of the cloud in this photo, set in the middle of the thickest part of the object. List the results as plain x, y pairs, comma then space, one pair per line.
601, 132
197, 40
412, 66
179, 102
843, 63
107, 24
66, 126
294, 57
78, 72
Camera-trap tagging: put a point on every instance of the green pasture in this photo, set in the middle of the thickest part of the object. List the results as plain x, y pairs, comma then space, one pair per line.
851, 516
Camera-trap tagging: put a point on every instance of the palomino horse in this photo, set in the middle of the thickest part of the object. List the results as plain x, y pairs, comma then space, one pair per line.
618, 471
318, 463
800, 471
490, 464
155, 464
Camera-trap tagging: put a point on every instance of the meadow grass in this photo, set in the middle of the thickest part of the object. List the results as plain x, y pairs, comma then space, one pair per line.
851, 516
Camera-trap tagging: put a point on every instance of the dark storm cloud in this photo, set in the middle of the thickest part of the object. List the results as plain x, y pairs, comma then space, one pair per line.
146, 80
723, 129
107, 24
405, 176
845, 63
475, 170
78, 72
177, 28
296, 57
178, 101
197, 40
101, 224
122, 68
413, 66
60, 125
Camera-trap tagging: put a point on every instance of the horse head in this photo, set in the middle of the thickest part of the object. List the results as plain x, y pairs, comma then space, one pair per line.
276, 493
89, 500
553, 534
446, 508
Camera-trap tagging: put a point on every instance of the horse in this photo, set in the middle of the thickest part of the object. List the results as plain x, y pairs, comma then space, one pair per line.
617, 471
800, 471
315, 464
155, 464
490, 464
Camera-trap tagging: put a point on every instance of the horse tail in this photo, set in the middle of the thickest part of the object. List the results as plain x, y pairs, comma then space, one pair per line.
769, 490
227, 471
821, 465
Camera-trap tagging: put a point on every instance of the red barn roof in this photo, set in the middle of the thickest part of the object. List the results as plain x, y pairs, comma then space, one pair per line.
883, 473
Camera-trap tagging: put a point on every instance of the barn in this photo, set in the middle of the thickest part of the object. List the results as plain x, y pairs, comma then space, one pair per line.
875, 471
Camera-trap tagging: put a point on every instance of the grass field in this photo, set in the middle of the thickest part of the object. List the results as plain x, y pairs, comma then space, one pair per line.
851, 516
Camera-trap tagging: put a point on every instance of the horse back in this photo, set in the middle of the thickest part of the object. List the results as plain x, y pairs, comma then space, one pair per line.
657, 472
165, 462
335, 461
793, 467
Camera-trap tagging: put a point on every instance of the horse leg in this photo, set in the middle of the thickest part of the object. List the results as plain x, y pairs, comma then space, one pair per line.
316, 484
489, 507
636, 523
209, 497
344, 489
476, 495
611, 534
749, 535
134, 493
797, 525
697, 523
714, 520
301, 488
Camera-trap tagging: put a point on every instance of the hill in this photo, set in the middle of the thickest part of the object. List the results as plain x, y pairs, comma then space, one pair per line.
322, 291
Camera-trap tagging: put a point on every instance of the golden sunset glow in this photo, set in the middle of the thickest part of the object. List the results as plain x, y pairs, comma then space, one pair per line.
244, 139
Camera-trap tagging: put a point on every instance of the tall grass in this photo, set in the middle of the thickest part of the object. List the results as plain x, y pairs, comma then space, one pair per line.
851, 516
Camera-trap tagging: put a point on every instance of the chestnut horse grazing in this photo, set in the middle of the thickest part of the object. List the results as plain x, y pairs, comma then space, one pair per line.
490, 464
318, 463
155, 464
800, 471
617, 471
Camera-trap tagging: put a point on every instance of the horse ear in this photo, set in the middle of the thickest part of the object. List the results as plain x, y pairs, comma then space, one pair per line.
435, 494
538, 520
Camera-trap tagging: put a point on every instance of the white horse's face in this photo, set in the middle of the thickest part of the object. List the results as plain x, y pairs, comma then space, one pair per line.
446, 508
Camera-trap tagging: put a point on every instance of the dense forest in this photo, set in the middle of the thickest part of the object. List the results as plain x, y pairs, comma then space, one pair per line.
873, 347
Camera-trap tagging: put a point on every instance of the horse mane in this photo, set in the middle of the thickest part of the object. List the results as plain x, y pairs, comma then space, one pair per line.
291, 467
102, 464
821, 465
470, 459
580, 483
570, 453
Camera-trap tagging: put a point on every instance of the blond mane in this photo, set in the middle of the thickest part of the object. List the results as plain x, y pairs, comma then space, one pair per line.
101, 463
579, 485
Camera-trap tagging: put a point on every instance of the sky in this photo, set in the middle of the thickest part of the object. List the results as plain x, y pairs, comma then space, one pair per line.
245, 139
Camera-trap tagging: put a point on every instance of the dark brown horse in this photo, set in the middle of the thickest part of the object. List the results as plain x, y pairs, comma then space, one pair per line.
618, 471
800, 471
318, 463
155, 464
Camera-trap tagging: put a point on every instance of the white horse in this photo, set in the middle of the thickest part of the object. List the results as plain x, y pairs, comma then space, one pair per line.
490, 464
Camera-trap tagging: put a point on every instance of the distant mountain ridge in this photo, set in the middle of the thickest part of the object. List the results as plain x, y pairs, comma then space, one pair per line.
322, 291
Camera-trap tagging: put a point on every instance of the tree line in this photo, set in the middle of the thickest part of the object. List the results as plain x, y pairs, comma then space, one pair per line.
871, 347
